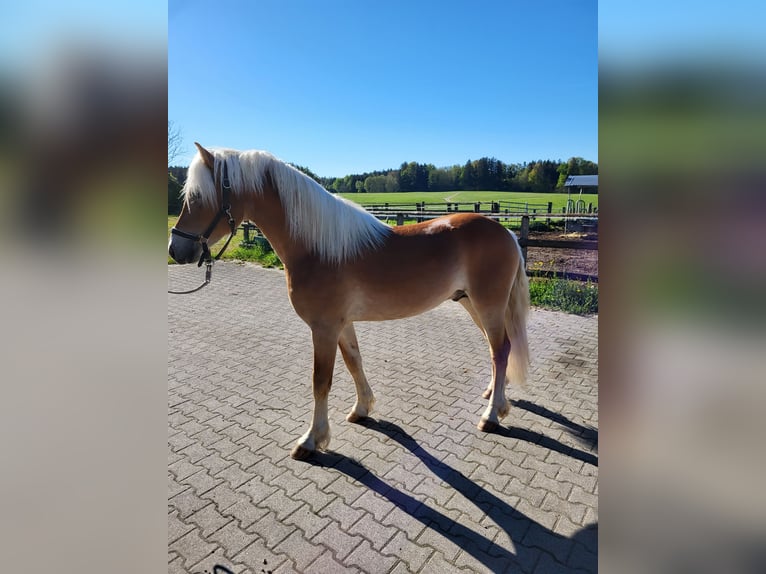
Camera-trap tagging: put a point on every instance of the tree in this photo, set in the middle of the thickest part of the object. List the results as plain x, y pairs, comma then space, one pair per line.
392, 182
375, 184
307, 171
407, 175
175, 141
467, 177
175, 203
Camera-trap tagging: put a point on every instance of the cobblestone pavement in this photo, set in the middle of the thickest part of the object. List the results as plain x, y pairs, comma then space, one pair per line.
417, 488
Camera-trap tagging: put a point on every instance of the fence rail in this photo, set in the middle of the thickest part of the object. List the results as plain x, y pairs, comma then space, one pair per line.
495, 209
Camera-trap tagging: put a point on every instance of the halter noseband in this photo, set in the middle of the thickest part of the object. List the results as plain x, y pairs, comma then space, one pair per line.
224, 210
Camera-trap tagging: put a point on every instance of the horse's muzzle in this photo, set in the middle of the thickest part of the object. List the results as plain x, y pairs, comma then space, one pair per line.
184, 250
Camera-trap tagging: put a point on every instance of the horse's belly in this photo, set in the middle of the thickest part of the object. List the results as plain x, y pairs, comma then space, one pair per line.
398, 303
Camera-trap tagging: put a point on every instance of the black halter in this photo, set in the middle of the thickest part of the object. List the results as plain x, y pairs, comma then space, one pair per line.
206, 257
224, 210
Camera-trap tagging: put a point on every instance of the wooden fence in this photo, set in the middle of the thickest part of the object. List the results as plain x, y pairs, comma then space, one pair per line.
403, 212
501, 209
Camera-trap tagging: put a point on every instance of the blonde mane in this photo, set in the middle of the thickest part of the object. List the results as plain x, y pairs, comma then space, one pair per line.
336, 229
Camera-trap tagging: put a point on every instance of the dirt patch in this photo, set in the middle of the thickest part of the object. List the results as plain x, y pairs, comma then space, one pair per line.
568, 260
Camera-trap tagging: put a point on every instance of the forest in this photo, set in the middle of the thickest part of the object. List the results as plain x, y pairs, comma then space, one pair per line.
485, 174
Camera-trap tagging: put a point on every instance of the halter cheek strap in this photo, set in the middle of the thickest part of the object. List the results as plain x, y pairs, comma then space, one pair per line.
224, 210
206, 257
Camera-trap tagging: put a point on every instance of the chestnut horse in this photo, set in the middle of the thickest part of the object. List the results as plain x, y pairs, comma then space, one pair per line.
343, 265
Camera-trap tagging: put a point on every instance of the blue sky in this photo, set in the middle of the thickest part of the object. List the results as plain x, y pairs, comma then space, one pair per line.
353, 86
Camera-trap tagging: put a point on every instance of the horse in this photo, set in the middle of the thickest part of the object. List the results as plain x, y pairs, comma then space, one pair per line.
343, 265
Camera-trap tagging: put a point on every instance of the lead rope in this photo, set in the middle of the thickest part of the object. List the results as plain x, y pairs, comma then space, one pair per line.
208, 275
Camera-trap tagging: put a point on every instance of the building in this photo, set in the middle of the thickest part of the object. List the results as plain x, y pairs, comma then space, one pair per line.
579, 183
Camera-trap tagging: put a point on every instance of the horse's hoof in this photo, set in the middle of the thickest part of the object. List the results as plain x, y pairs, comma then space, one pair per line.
300, 452
487, 425
353, 417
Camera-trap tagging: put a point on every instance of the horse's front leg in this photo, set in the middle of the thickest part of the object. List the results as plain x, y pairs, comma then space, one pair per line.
318, 435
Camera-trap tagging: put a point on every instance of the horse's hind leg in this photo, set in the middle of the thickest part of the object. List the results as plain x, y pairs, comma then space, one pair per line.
365, 400
466, 303
492, 320
318, 435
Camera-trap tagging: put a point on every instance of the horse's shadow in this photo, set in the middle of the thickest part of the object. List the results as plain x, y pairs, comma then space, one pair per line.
586, 435
530, 538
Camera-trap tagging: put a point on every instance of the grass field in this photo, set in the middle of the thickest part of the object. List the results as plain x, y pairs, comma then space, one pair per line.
559, 199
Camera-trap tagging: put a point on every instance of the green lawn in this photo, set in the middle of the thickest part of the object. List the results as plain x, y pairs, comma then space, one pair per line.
559, 199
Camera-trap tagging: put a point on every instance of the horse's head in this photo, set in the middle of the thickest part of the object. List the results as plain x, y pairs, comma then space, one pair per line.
208, 213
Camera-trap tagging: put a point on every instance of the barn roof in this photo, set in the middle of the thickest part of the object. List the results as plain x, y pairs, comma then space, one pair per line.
581, 181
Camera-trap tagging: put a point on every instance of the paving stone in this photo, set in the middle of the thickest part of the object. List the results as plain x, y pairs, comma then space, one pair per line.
325, 564
378, 506
414, 555
177, 527
441, 541
540, 537
586, 498
224, 496
187, 503
175, 487
183, 469
302, 552
208, 520
192, 548
201, 482
369, 560
371, 529
257, 556
437, 563
339, 541
214, 463
281, 504
245, 512
232, 537
345, 514
271, 530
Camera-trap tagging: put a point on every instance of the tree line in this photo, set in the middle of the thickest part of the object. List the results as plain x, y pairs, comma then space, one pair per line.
485, 174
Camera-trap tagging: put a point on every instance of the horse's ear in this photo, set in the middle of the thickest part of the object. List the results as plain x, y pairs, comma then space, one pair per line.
207, 157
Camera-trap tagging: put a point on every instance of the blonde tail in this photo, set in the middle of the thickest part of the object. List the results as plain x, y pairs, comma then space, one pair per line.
516, 325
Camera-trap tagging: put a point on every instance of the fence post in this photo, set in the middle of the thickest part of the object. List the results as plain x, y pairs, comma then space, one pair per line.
550, 210
524, 237
400, 219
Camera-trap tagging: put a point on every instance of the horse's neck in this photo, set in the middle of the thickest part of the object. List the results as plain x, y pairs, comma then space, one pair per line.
267, 212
